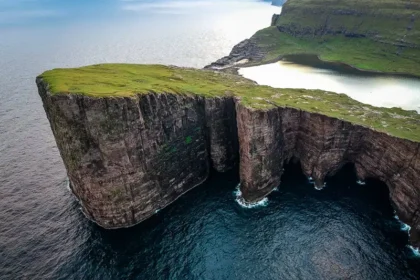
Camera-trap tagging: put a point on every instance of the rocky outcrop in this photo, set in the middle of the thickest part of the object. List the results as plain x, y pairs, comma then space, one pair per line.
323, 145
246, 52
274, 19
128, 157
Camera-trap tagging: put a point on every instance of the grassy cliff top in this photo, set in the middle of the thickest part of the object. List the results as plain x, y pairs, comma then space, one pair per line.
128, 80
379, 35
388, 21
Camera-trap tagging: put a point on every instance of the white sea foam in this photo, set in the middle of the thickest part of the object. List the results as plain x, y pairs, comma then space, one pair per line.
249, 205
404, 226
360, 182
67, 182
415, 250
237, 192
319, 188
241, 201
407, 228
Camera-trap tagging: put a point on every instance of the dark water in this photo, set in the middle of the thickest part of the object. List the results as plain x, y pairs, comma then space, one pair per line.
345, 231
301, 234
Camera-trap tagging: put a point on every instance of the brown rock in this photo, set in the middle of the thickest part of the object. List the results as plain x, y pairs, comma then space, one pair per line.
128, 157
323, 145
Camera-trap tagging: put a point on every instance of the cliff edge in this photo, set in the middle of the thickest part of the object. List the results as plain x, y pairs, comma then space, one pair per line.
376, 35
134, 138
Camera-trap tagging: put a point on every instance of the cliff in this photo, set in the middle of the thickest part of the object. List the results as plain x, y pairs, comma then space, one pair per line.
323, 145
387, 21
134, 138
378, 35
127, 158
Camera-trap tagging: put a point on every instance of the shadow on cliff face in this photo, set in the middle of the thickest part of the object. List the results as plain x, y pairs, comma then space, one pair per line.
345, 179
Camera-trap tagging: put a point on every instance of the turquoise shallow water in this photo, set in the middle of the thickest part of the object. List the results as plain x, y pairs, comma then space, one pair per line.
301, 234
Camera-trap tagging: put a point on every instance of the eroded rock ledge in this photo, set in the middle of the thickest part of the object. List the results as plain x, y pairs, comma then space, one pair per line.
128, 157
246, 52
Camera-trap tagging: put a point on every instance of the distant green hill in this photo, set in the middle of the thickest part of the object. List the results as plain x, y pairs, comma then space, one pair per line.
381, 35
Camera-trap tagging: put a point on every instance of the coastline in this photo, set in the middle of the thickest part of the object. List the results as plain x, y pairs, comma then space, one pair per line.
231, 63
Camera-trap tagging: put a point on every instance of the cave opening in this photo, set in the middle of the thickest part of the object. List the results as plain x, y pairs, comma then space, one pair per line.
345, 178
369, 199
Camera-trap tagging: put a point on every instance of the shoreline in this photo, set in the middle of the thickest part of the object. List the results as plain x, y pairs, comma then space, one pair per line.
248, 50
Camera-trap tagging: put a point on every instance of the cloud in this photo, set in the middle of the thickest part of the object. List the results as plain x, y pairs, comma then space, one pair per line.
16, 11
166, 5
178, 6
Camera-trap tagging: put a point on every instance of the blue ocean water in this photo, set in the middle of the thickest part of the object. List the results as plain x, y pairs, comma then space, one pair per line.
342, 232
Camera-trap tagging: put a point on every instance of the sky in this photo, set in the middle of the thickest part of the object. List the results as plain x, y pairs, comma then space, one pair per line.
22, 12
37, 11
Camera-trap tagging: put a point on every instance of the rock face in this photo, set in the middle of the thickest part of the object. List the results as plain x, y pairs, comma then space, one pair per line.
385, 21
128, 157
245, 52
222, 132
323, 145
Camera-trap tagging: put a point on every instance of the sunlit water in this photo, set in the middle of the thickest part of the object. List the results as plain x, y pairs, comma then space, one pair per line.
300, 233
309, 73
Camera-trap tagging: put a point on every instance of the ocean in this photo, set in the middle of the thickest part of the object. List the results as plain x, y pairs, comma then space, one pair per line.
341, 232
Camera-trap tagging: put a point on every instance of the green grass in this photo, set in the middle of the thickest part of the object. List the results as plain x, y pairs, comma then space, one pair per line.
129, 80
381, 20
390, 30
188, 140
361, 53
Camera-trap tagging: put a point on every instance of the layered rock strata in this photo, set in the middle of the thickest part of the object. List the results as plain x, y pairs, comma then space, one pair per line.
323, 145
128, 157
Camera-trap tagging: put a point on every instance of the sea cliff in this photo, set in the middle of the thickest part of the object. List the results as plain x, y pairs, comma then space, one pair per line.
323, 145
130, 157
134, 138
376, 35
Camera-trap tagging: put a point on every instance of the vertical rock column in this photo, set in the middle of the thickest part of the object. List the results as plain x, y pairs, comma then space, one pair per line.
222, 132
260, 146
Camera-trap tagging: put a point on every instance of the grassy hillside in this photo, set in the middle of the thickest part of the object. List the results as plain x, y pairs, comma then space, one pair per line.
381, 35
128, 80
